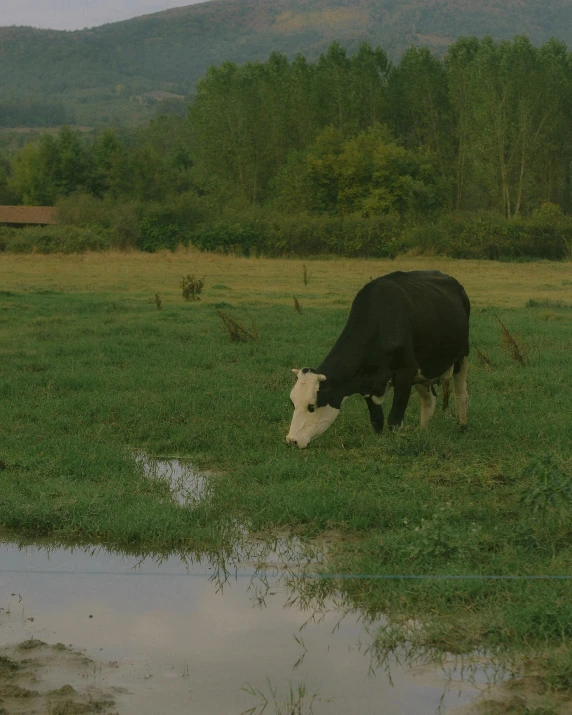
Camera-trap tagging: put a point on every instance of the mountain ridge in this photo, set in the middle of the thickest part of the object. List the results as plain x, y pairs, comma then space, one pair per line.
111, 64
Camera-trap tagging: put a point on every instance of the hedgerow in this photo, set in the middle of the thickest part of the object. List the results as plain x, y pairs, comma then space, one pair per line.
545, 235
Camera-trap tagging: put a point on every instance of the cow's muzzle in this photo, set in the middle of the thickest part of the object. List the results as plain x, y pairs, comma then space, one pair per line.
295, 443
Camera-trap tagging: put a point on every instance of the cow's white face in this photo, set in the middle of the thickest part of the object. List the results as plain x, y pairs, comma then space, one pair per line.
309, 420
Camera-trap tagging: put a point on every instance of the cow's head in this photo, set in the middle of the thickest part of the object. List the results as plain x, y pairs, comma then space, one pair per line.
313, 411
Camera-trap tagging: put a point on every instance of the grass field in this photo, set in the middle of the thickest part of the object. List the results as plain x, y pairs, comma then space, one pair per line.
92, 371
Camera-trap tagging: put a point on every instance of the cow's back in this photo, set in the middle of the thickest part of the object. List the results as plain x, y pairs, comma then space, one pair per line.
415, 318
438, 310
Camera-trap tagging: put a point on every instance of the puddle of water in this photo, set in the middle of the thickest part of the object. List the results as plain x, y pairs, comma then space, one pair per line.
143, 636
187, 637
188, 485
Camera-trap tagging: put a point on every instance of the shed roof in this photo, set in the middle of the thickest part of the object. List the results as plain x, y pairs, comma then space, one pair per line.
28, 214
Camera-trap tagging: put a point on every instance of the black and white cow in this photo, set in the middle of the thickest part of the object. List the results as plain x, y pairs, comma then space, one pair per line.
405, 328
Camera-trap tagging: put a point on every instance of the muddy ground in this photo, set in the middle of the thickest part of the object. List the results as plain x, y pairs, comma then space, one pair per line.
39, 678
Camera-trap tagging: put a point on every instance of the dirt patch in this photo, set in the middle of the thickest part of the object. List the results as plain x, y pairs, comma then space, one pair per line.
37, 677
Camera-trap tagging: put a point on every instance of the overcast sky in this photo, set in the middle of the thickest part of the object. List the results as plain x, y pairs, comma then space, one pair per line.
77, 14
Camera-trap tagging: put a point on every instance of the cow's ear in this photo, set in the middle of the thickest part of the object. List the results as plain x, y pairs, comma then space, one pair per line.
296, 372
321, 378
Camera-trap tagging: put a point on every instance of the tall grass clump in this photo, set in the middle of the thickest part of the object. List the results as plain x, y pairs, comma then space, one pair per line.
192, 287
512, 344
237, 331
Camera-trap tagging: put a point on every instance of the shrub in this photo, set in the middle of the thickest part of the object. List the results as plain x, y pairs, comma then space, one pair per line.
120, 220
304, 235
85, 210
169, 224
228, 238
125, 230
6, 236
56, 239
156, 234
192, 287
470, 235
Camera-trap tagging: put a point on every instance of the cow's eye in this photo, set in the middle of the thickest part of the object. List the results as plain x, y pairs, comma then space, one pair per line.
311, 408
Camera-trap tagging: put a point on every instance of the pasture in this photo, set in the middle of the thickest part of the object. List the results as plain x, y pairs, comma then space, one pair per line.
93, 372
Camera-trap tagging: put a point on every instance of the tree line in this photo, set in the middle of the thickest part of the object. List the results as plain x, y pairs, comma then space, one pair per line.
488, 127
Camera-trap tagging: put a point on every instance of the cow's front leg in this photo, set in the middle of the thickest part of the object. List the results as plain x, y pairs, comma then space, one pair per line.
374, 405
428, 402
402, 383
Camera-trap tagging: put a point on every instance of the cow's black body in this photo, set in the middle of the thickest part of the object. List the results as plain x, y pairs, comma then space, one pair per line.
405, 327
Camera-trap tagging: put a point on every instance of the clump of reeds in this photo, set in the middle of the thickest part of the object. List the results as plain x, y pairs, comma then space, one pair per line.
512, 345
483, 357
192, 287
158, 302
237, 330
297, 306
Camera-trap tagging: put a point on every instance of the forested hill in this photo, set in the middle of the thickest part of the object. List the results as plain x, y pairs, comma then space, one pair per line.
95, 74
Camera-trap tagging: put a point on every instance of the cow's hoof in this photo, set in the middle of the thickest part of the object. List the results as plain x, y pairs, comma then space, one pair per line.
464, 428
394, 428
377, 427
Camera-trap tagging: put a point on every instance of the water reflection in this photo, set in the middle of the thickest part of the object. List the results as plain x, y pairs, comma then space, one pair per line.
190, 632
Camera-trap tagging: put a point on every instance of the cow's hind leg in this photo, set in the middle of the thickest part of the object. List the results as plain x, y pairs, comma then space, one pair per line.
375, 412
428, 402
460, 388
446, 382
446, 393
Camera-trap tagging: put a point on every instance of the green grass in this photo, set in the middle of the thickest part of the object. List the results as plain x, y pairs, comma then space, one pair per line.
87, 379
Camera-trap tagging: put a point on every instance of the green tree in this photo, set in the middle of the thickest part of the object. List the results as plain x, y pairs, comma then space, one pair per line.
517, 109
459, 66
52, 167
370, 69
31, 179
71, 167
109, 156
334, 89
421, 108
370, 174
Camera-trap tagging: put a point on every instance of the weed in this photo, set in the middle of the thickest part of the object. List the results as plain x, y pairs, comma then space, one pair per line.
158, 302
301, 643
297, 702
297, 306
556, 670
552, 488
439, 537
237, 331
512, 345
482, 357
192, 287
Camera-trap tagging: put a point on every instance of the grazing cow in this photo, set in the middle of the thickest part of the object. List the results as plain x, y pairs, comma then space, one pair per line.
405, 329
